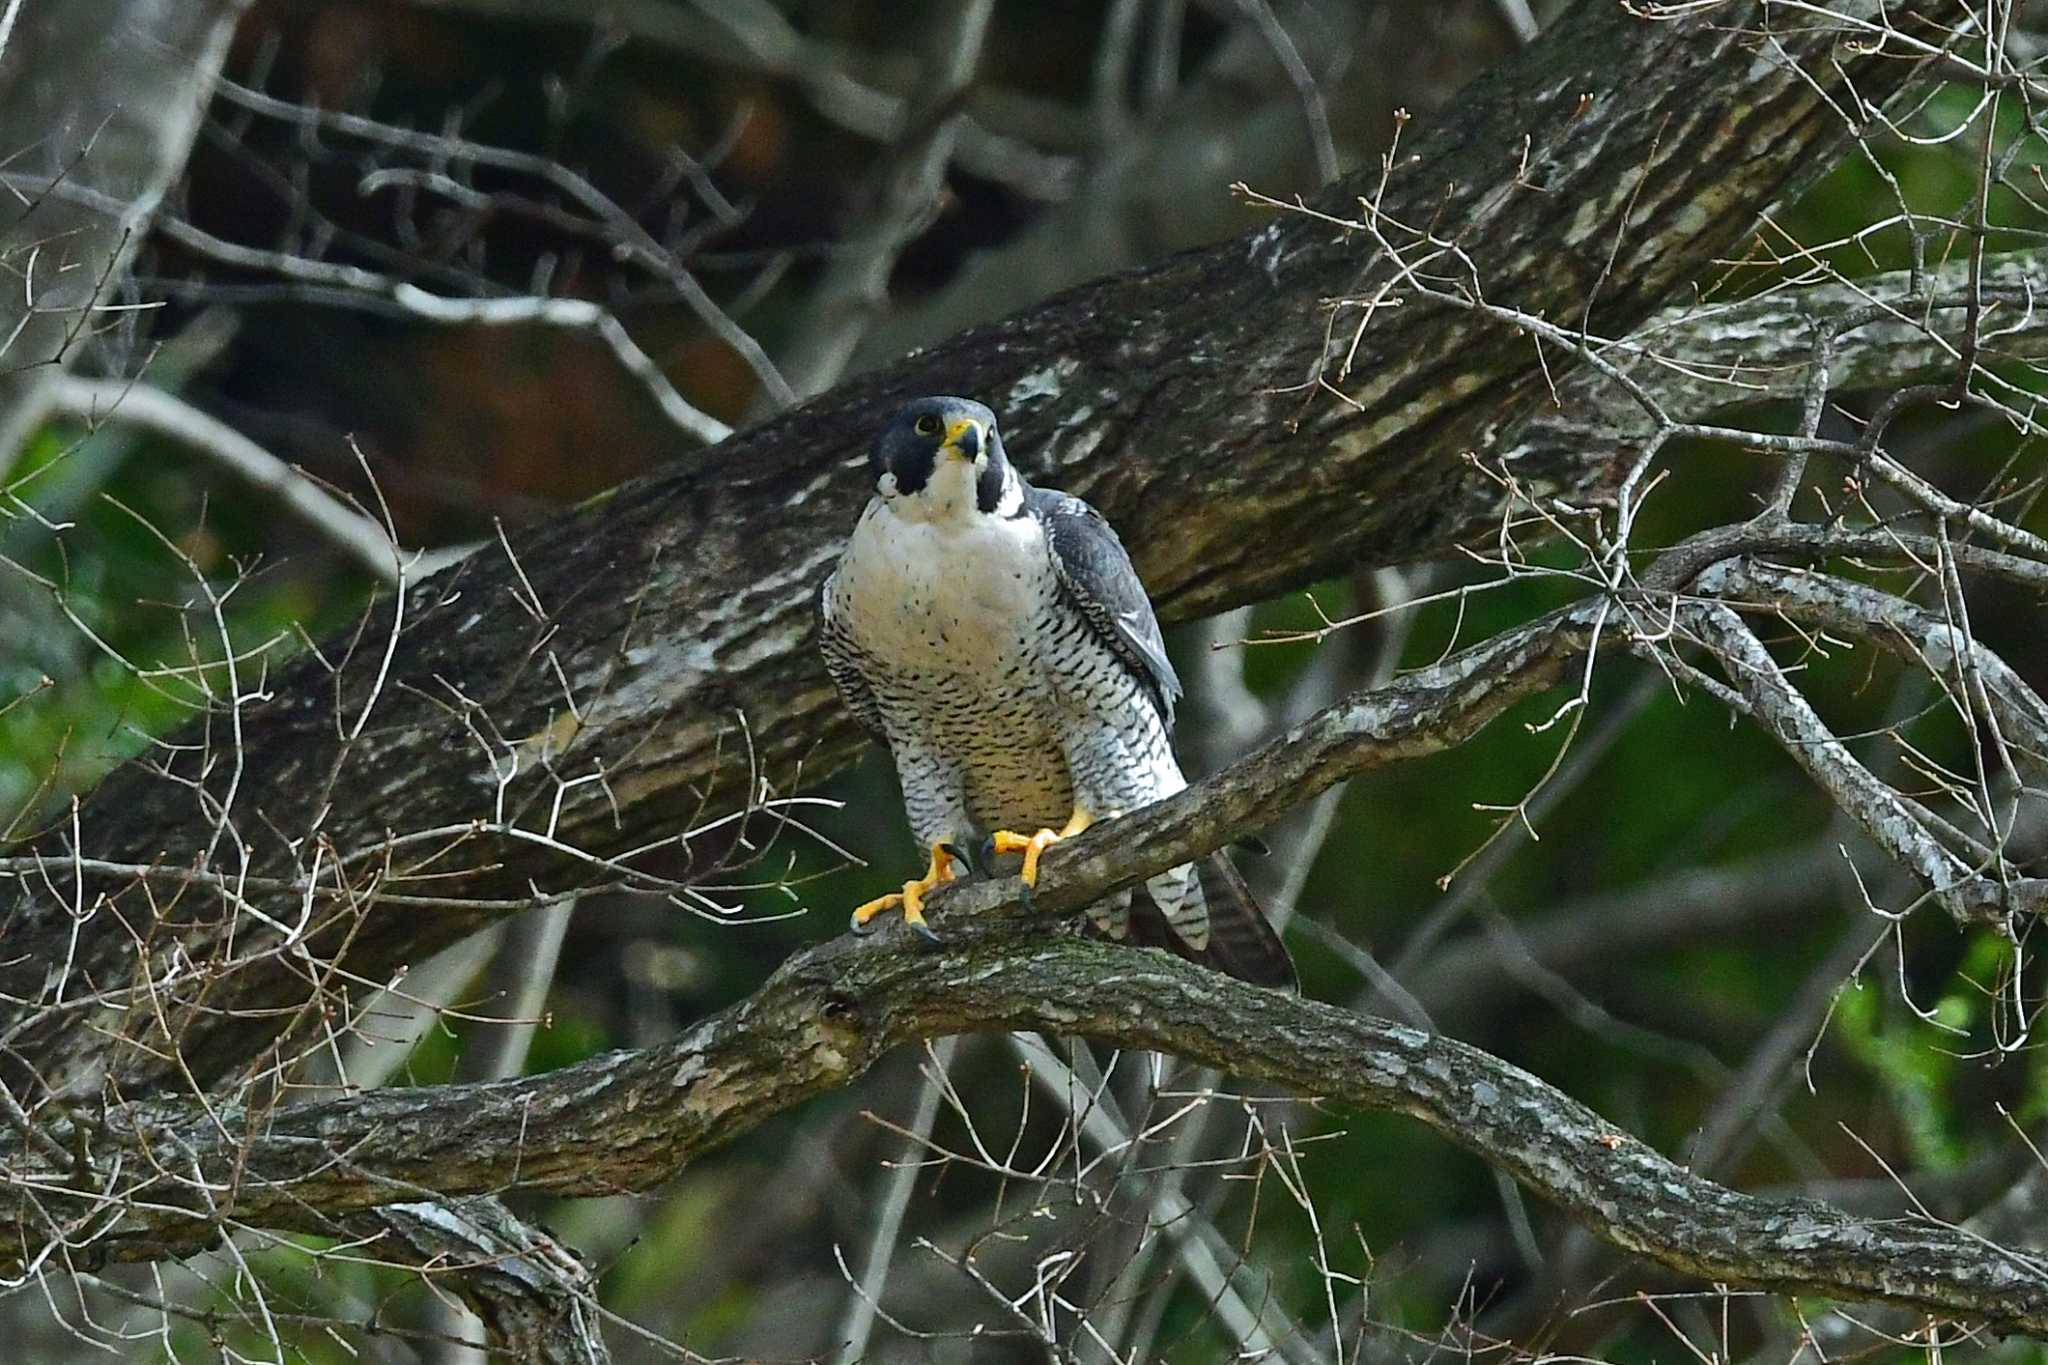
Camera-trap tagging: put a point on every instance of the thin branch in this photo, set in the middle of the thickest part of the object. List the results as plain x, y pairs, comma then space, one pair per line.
904, 193
359, 536
758, 37
857, 1323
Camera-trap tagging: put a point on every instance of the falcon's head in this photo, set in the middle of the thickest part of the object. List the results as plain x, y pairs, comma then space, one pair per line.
942, 459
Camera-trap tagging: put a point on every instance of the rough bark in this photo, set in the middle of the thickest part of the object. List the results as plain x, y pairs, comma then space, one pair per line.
1591, 176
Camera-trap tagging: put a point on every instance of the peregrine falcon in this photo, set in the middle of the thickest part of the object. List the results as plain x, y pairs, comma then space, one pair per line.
997, 637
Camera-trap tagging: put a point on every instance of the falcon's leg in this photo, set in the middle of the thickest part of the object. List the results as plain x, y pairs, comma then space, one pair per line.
911, 897
935, 799
1122, 762
1032, 845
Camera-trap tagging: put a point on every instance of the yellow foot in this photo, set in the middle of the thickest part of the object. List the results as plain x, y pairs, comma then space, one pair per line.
1032, 845
911, 897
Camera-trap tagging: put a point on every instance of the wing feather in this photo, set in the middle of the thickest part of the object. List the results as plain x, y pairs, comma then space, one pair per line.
1096, 578
842, 661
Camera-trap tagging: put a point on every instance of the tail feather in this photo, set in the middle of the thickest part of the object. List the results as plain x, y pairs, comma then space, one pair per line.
1241, 943
1111, 915
1177, 894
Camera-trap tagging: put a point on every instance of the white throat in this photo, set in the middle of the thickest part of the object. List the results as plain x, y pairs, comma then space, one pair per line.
947, 497
927, 591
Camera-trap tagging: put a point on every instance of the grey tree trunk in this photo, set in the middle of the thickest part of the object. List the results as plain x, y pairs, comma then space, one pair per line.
99, 102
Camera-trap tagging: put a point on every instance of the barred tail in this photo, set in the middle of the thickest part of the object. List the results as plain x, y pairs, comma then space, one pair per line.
1240, 942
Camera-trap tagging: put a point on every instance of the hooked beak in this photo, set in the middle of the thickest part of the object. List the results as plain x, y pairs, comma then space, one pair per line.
963, 439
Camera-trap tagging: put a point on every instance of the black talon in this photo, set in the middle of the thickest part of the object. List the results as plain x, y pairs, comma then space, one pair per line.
962, 857
858, 927
1030, 903
928, 934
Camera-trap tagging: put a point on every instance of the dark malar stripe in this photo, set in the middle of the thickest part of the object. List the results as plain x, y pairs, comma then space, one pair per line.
988, 488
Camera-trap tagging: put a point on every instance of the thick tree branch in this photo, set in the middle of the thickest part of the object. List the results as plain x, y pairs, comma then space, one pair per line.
1703, 361
627, 1121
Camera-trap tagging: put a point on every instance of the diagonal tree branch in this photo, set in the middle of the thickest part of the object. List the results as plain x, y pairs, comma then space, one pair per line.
629, 1120
1703, 361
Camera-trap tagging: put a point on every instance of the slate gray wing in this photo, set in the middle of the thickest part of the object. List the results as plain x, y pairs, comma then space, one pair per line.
842, 662
1096, 578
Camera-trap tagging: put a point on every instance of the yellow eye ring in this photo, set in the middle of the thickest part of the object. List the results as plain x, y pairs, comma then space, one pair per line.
926, 425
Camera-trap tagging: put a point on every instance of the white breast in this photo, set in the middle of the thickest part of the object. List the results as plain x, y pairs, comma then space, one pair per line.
954, 595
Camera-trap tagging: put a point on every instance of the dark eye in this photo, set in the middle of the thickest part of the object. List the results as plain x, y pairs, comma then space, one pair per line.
926, 425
